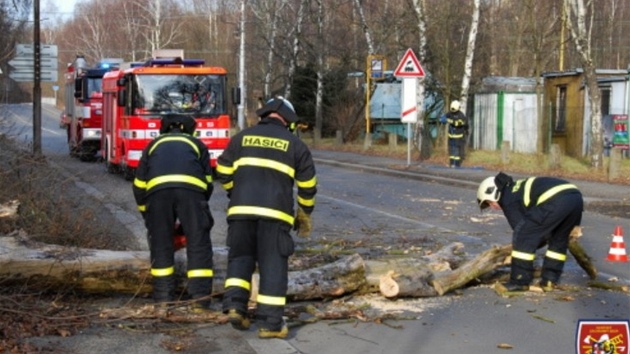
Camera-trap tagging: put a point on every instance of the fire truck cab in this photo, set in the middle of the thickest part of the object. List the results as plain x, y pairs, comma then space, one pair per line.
83, 102
135, 100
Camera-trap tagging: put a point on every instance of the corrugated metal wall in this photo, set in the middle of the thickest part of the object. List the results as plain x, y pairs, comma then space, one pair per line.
505, 117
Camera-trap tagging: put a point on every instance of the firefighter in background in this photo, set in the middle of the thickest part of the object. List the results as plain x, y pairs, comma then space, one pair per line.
174, 182
540, 210
258, 170
457, 131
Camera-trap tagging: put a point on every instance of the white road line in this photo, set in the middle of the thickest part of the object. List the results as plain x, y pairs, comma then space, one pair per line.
393, 216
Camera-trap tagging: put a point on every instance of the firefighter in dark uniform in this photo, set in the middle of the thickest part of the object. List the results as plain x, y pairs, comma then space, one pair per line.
540, 210
258, 170
457, 131
174, 182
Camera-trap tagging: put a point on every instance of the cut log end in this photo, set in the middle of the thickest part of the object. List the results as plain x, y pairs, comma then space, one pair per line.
388, 286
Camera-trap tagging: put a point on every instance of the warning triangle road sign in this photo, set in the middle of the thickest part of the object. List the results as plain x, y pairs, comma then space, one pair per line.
409, 66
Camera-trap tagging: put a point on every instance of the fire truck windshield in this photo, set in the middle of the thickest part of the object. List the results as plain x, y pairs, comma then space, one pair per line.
191, 94
93, 85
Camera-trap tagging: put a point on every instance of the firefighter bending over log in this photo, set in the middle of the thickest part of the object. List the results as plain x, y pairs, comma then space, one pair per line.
174, 181
541, 211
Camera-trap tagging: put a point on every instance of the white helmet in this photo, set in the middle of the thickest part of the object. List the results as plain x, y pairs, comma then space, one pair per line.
455, 105
488, 191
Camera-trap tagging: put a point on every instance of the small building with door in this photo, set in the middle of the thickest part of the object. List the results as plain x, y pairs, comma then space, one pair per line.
566, 108
505, 109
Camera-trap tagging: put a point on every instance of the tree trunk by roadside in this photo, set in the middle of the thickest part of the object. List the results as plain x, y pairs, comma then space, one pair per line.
52, 267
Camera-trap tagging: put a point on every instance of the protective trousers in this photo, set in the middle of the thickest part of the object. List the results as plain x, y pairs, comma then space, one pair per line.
455, 151
191, 208
267, 243
550, 223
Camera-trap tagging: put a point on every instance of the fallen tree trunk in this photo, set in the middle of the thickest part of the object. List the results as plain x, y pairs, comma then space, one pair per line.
415, 284
579, 253
330, 280
487, 261
45, 266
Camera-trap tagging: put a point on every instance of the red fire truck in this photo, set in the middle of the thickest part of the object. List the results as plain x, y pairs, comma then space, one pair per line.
83, 102
135, 99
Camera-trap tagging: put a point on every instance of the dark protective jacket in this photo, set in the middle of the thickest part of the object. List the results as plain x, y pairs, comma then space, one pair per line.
457, 125
522, 198
258, 170
173, 160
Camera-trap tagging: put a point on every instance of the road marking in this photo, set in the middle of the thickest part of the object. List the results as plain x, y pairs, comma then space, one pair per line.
393, 216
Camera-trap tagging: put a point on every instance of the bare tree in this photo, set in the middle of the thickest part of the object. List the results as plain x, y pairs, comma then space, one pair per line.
364, 26
92, 18
419, 10
470, 54
162, 27
319, 95
269, 12
581, 35
295, 50
131, 27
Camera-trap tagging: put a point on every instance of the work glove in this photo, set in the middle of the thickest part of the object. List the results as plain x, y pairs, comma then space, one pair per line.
302, 223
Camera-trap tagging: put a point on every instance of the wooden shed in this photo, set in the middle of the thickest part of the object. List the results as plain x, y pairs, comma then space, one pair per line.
505, 109
565, 108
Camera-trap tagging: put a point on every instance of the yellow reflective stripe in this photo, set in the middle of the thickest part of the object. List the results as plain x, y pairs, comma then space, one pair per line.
528, 191
238, 282
306, 202
208, 179
524, 256
228, 186
162, 272
266, 163
307, 184
456, 136
140, 184
142, 207
253, 210
271, 300
555, 255
553, 191
177, 178
200, 273
175, 138
225, 170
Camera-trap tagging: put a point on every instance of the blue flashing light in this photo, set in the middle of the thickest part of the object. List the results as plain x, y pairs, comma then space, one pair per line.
194, 62
175, 61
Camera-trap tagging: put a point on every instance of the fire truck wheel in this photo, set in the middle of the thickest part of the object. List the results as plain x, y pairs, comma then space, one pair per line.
87, 154
111, 168
129, 173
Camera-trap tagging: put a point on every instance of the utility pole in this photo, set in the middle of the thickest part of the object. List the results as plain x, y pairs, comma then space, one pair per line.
241, 71
37, 90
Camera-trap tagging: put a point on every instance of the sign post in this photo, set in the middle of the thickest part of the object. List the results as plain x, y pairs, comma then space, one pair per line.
410, 70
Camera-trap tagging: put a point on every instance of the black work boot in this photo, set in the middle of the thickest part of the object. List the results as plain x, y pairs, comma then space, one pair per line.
238, 320
273, 328
547, 285
512, 287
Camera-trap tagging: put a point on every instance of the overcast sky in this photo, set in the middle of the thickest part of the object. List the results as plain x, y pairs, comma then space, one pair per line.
66, 7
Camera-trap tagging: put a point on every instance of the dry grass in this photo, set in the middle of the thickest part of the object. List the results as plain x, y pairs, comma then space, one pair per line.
52, 208
529, 164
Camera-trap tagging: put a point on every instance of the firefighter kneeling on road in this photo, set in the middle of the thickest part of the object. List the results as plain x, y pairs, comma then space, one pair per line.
174, 181
540, 210
258, 170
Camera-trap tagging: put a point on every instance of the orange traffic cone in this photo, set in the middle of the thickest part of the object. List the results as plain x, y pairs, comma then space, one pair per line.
617, 251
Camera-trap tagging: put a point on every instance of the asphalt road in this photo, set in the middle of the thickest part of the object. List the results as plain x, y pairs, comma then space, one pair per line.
375, 210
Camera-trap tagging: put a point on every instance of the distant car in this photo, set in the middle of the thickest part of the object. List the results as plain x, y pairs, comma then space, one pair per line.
63, 120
